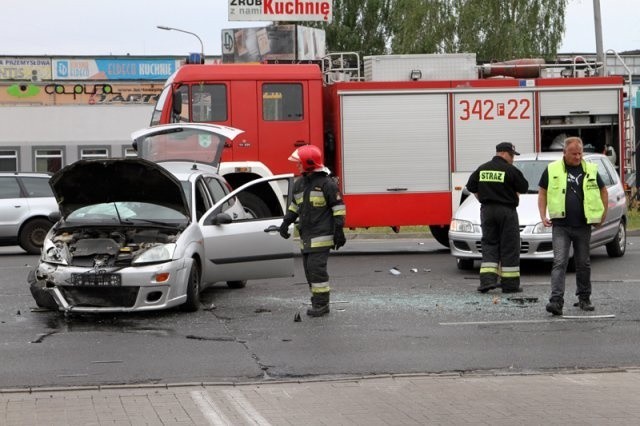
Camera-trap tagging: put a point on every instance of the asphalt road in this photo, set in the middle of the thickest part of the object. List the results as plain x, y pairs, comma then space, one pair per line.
427, 318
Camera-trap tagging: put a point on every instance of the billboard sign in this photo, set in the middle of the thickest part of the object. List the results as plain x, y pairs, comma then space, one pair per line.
113, 69
280, 10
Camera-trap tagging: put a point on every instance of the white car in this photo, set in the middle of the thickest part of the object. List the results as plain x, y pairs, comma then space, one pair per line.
26, 201
465, 232
137, 235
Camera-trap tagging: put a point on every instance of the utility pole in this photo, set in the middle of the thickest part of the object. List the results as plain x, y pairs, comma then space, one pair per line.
597, 21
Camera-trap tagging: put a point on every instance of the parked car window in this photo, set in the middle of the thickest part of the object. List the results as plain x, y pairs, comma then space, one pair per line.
282, 102
37, 187
604, 172
9, 188
532, 170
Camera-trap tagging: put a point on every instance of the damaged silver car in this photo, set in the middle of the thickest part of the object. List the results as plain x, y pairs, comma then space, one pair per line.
137, 235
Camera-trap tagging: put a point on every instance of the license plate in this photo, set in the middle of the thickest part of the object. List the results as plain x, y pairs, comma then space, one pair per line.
96, 280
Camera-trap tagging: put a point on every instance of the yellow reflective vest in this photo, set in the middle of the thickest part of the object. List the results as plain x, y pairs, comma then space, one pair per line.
557, 188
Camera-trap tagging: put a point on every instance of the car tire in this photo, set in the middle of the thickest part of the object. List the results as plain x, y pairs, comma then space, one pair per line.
43, 298
32, 235
440, 233
253, 205
464, 264
192, 303
237, 284
618, 246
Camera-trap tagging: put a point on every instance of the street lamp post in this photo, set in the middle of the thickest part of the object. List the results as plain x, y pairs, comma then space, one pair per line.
162, 27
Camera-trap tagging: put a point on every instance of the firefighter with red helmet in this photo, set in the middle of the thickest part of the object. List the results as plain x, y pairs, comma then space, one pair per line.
318, 207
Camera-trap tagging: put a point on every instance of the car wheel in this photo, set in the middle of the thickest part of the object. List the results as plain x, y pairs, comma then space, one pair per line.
236, 284
193, 289
43, 298
32, 235
618, 245
253, 205
440, 233
465, 264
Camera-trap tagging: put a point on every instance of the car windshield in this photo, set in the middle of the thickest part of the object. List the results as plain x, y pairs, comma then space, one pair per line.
532, 170
127, 212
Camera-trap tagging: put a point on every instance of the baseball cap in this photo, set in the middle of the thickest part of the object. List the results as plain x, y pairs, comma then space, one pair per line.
507, 147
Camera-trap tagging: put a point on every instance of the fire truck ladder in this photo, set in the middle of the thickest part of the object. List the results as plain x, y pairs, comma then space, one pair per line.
341, 66
629, 130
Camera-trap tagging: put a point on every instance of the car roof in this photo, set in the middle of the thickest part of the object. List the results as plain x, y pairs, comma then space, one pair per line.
26, 174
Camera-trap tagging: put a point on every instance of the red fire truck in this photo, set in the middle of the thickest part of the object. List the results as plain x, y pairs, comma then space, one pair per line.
402, 150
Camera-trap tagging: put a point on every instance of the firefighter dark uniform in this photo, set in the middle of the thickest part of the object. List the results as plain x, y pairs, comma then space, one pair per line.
320, 211
497, 184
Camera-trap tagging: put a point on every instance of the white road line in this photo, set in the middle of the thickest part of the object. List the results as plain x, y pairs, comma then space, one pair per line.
561, 319
244, 407
209, 409
499, 322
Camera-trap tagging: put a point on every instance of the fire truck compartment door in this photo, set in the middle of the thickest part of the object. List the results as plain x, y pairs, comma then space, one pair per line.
482, 119
576, 102
394, 142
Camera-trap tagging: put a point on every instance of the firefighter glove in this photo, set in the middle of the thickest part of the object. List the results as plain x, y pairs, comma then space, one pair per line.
284, 230
338, 238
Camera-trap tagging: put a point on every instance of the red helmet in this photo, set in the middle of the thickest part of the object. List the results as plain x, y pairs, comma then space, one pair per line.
309, 156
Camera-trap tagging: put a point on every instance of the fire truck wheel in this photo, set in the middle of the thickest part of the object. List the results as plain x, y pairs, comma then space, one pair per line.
253, 205
440, 233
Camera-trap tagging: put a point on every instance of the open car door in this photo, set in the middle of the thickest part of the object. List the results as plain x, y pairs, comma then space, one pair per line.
247, 248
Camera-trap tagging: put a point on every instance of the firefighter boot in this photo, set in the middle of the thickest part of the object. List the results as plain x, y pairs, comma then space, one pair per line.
319, 305
488, 282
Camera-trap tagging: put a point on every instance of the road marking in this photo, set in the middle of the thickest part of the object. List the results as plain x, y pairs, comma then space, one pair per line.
244, 407
564, 317
209, 409
498, 322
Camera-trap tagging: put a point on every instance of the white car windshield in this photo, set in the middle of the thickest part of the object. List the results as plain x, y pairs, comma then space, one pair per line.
127, 212
532, 170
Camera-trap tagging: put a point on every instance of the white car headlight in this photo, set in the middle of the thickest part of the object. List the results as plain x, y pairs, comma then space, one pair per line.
159, 253
541, 229
52, 253
458, 225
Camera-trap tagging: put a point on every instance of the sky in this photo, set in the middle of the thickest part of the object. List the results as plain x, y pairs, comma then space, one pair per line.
120, 27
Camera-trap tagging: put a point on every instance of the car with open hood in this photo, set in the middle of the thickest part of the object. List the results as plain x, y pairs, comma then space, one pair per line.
465, 232
149, 233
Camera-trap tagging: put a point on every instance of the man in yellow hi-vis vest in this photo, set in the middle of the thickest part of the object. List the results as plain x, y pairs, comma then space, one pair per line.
577, 199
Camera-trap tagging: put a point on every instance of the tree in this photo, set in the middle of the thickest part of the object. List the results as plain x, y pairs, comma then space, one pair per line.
493, 29
357, 25
508, 29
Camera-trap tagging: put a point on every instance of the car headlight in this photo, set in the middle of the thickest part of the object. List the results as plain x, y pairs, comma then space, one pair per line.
458, 225
156, 254
541, 229
52, 253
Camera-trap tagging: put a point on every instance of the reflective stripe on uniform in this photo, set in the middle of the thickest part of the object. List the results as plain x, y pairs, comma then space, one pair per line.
339, 210
293, 208
489, 268
510, 271
320, 287
317, 199
322, 241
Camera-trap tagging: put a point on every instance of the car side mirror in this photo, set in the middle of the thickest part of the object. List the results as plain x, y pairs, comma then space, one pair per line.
221, 219
54, 217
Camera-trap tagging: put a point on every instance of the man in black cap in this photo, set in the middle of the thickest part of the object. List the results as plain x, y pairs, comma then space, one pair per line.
497, 185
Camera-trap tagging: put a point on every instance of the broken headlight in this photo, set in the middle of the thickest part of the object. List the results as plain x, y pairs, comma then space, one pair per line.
156, 254
53, 253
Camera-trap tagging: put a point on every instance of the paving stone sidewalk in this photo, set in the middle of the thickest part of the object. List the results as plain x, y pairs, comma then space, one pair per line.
597, 398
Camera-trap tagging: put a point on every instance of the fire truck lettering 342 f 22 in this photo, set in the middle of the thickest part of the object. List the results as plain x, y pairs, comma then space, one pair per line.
402, 150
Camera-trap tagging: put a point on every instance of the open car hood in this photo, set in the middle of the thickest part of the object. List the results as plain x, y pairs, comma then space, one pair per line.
193, 142
88, 182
